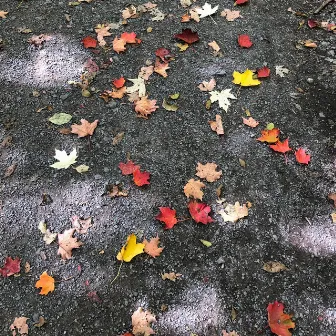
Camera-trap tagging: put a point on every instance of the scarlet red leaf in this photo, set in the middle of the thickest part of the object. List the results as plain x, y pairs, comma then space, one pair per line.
130, 37
271, 136
199, 212
312, 23
241, 2
188, 36
10, 267
128, 168
164, 54
281, 147
301, 156
244, 41
89, 42
167, 216
263, 72
278, 321
140, 178
118, 83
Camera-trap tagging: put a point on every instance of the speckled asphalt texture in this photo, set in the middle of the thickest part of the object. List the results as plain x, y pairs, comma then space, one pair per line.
290, 217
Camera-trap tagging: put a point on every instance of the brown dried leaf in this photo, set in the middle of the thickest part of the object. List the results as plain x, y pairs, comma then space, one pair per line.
214, 46
118, 138
274, 267
217, 125
41, 322
102, 31
207, 86
84, 129
10, 170
208, 171
145, 107
27, 267
333, 198
171, 276
193, 189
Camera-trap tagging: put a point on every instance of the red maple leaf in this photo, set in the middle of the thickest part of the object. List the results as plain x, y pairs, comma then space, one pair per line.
164, 54
281, 147
278, 321
241, 2
263, 72
89, 42
10, 267
130, 37
118, 83
188, 36
271, 136
167, 216
140, 178
128, 168
199, 212
312, 23
301, 156
244, 41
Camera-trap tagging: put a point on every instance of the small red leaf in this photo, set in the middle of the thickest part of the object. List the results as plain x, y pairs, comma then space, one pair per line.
241, 2
264, 72
118, 83
199, 212
10, 267
312, 23
281, 147
302, 156
244, 41
89, 42
128, 168
164, 54
188, 36
278, 321
167, 216
140, 179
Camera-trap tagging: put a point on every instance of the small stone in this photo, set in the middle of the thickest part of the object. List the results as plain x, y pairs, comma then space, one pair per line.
310, 80
64, 96
322, 115
115, 58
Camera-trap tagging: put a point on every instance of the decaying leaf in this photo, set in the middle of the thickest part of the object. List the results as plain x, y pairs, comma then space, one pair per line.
48, 237
230, 15
11, 267
193, 189
207, 86
274, 267
118, 138
171, 276
145, 72
169, 107
102, 31
41, 322
116, 191
141, 322
332, 196
64, 160
130, 249
232, 213
250, 122
208, 171
39, 40
152, 247
161, 68
214, 45
3, 14
279, 322
86, 128
27, 267
10, 170
19, 324
67, 243
144, 107
81, 225
217, 125
333, 217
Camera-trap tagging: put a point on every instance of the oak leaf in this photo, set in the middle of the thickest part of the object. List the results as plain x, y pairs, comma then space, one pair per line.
46, 283
279, 322
89, 42
11, 266
207, 86
19, 323
161, 68
130, 249
250, 122
208, 171
244, 41
270, 136
141, 322
232, 213
66, 243
145, 107
64, 160
84, 129
193, 189
245, 78
152, 247
128, 168
200, 212
301, 156
167, 216
281, 147
141, 178
102, 31
171, 276
187, 36
217, 125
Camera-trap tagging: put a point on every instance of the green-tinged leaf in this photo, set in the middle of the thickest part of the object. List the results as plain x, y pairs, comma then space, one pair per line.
60, 118
82, 168
169, 107
206, 243
174, 96
86, 93
269, 126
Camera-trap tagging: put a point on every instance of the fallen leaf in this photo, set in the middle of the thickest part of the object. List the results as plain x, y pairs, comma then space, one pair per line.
138, 86
222, 97
200, 212
167, 216
161, 68
81, 225
157, 14
279, 322
116, 191
206, 10
281, 71
141, 178
66, 243
164, 54
206, 243
128, 168
41, 322
301, 156
65, 160
333, 217
60, 118
10, 170
242, 163
84, 129
241, 2
89, 42
187, 36
244, 41
141, 321
263, 72
250, 122
118, 138
234, 315
27, 267
115, 93
171, 276
46, 283
281, 147
129, 12
230, 15
185, 17
169, 107
217, 125
38, 40
48, 237
130, 37
145, 107
174, 96
186, 3
130, 249
145, 72
119, 83
310, 44
119, 45
333, 198
231, 333
214, 46
20, 323
102, 31
193, 189
208, 171
10, 267
3, 14
207, 86
82, 169
152, 247
274, 267
65, 130
269, 136
245, 78
232, 213
194, 15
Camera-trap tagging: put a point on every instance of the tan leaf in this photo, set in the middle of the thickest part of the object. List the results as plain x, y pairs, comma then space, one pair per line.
152, 247
333, 198
133, 96
20, 323
81, 225
145, 72
27, 267
161, 68
67, 243
171, 276
118, 93
231, 333
129, 12
145, 107
3, 14
141, 321
215, 47
242, 163
6, 142
119, 45
118, 138
208, 171
116, 191
10, 170
186, 3
64, 130
230, 15
232, 213
207, 86
250, 122
274, 267
217, 125
102, 31
38, 40
333, 217
84, 129
193, 189
194, 15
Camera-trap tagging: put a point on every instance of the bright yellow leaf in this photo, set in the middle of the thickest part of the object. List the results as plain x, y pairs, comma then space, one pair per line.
130, 249
245, 78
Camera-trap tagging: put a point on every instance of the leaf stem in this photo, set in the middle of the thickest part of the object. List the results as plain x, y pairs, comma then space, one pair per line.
183, 220
115, 278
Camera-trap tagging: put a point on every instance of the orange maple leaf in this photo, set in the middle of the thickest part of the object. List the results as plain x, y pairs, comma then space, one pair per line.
84, 129
161, 68
141, 178
278, 321
119, 45
193, 188
152, 247
118, 94
281, 147
130, 38
46, 283
271, 136
144, 107
67, 243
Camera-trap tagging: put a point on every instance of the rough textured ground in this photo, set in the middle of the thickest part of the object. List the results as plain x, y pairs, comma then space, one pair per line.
290, 218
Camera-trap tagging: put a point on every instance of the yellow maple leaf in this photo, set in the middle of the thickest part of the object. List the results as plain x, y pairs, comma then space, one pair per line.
130, 249
245, 78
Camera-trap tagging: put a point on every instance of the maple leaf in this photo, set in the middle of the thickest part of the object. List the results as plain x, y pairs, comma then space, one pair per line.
208, 171
66, 243
141, 321
301, 156
84, 129
91, 66
217, 125
167, 216
222, 97
141, 178
185, 17
38, 40
102, 31
89, 42
187, 36
65, 160
245, 78
281, 147
164, 54
145, 72
119, 83
206, 10
11, 266
193, 188
152, 247
244, 41
171, 276
207, 86
241, 2
161, 68
81, 225
214, 46
263, 72
230, 15
232, 213
138, 86
116, 94
46, 283
281, 71
278, 321
19, 323
130, 249
3, 14
128, 168
200, 212
145, 107
130, 37
250, 122
270, 136
119, 45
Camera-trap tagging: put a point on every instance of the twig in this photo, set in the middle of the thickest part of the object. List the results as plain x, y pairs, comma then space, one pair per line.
117, 273
183, 220
324, 4
213, 20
